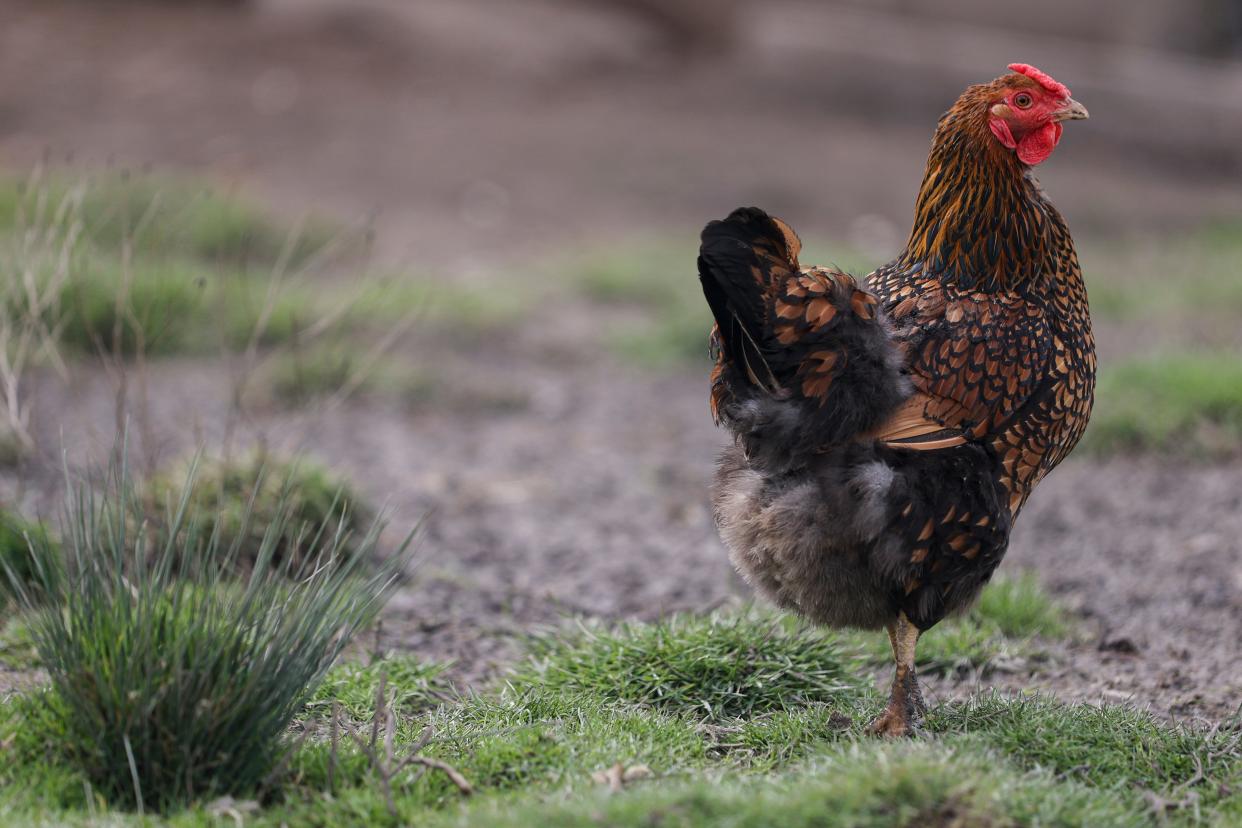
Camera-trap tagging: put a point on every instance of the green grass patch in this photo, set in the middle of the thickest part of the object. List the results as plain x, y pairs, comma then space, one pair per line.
1180, 404
166, 216
1196, 275
715, 667
299, 376
654, 288
17, 650
164, 266
475, 306
179, 306
1112, 747
412, 686
249, 495
870, 785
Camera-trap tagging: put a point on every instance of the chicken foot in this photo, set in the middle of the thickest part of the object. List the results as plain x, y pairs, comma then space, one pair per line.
904, 712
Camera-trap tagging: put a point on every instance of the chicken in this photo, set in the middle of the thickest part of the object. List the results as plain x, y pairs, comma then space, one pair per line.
888, 432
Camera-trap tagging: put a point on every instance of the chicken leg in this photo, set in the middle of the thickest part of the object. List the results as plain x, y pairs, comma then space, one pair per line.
904, 712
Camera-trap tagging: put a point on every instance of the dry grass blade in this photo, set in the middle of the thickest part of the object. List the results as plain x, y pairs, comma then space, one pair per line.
33, 275
387, 767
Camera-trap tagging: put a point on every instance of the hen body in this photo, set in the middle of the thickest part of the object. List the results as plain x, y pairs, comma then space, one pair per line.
888, 433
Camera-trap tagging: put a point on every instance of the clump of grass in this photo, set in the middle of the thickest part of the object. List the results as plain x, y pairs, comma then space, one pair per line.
301, 376
1020, 607
711, 667
1187, 404
171, 685
152, 307
29, 558
413, 685
251, 494
298, 376
168, 216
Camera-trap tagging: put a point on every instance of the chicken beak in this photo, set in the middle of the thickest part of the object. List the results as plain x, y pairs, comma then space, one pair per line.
1072, 110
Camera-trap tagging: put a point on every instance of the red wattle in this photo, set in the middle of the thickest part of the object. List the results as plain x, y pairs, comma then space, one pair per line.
1038, 144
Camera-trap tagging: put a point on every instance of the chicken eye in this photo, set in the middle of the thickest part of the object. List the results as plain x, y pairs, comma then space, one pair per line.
1022, 100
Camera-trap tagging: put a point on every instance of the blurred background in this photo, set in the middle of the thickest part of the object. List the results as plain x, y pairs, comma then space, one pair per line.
446, 249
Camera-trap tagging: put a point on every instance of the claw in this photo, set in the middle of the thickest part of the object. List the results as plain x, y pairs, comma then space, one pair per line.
903, 716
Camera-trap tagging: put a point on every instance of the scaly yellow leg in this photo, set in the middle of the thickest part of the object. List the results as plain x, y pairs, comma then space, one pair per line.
905, 709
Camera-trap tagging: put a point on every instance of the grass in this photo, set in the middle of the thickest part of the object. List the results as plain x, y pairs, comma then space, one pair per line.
418, 686
1193, 277
249, 495
716, 668
169, 684
661, 702
1174, 403
166, 216
175, 267
28, 558
664, 320
1111, 747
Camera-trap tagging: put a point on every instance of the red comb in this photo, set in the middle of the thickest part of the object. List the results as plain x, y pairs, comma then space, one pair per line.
1045, 80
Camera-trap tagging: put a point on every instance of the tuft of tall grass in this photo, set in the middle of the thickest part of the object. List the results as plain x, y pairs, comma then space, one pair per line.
170, 682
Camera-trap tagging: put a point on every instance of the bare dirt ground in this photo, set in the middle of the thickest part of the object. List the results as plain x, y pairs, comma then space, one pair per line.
546, 130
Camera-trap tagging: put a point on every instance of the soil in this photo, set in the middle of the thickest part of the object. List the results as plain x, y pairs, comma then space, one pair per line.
547, 130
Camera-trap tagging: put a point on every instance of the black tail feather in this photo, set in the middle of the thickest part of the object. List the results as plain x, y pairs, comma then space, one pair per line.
739, 259
806, 358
